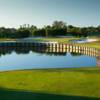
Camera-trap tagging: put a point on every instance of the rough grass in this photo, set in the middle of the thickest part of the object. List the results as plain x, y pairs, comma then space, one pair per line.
74, 82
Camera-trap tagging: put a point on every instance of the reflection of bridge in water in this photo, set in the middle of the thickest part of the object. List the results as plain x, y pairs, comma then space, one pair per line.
49, 48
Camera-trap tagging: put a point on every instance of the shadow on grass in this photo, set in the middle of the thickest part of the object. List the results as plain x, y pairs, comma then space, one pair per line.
7, 94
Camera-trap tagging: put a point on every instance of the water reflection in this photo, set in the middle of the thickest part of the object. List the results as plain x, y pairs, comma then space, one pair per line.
48, 51
26, 50
12, 58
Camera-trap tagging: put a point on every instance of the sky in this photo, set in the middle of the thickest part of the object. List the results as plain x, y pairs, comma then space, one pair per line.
14, 13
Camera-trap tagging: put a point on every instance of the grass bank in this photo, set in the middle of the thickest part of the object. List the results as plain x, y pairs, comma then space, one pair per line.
79, 82
66, 40
59, 40
7, 39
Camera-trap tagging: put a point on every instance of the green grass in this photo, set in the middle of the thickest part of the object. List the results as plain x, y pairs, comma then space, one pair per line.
7, 39
66, 40
80, 82
94, 44
59, 40
62, 40
52, 84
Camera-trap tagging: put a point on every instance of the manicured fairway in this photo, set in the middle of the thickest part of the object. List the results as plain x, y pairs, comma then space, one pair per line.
73, 84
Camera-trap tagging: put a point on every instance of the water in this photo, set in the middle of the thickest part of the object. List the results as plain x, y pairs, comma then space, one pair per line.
32, 58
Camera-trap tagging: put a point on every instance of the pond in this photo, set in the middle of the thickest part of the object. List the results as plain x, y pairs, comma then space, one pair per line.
19, 58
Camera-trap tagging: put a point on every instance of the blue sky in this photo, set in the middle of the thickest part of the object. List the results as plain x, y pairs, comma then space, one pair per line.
43, 12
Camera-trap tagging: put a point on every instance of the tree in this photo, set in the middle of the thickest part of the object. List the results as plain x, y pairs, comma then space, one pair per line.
59, 25
75, 31
32, 30
47, 29
70, 28
84, 31
98, 28
23, 33
91, 30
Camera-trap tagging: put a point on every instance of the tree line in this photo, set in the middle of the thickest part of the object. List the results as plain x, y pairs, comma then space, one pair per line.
58, 28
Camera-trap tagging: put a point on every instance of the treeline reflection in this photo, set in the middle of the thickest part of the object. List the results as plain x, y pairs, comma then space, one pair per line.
27, 50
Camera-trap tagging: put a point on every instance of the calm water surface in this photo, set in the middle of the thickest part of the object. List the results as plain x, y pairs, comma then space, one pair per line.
30, 59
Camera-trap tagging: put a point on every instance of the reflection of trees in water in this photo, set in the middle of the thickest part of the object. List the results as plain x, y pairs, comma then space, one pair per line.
40, 50
17, 50
4, 51
76, 54
26, 50
22, 50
